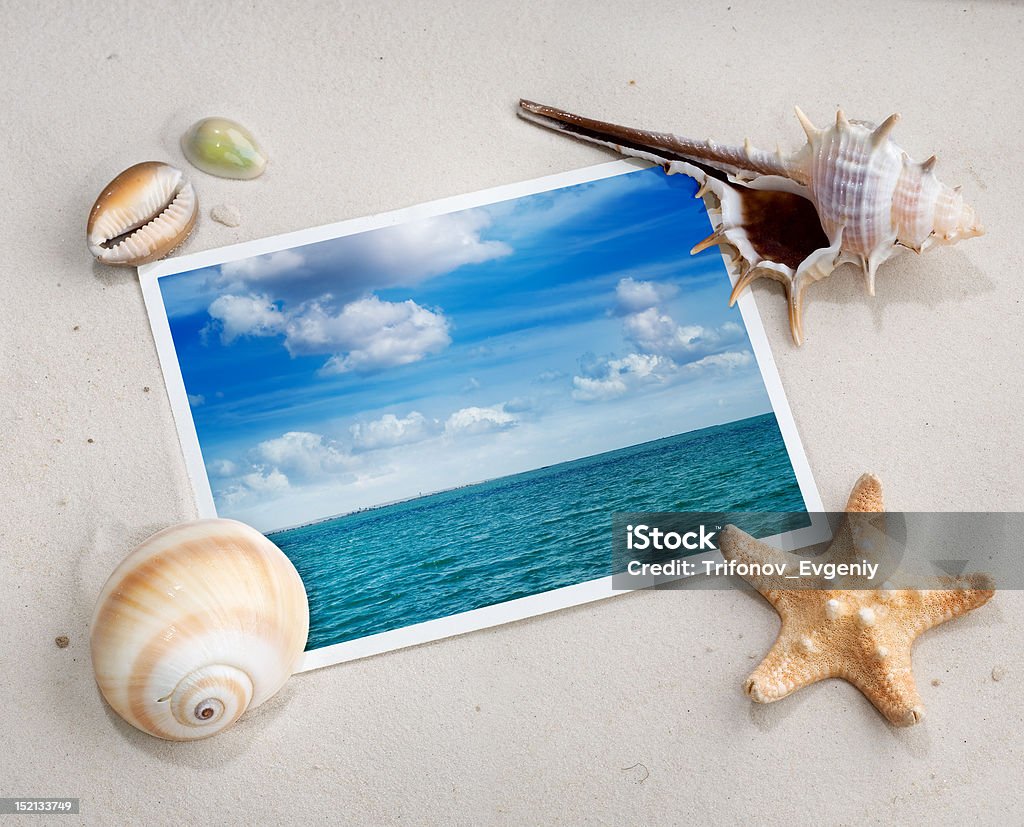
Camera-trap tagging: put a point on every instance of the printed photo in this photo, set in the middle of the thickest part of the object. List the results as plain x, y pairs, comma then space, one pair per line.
435, 413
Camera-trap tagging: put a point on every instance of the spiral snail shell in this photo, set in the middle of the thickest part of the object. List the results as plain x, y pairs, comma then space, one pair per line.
201, 622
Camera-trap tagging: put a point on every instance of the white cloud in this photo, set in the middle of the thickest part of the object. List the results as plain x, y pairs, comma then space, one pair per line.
391, 430
611, 378
318, 297
586, 389
346, 268
615, 377
723, 361
258, 270
196, 399
475, 420
652, 331
632, 296
257, 483
368, 334
655, 332
420, 249
251, 315
302, 454
520, 405
365, 335
271, 482
222, 468
664, 350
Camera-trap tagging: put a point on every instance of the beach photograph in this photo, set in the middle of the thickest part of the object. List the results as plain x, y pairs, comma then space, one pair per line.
443, 415
379, 453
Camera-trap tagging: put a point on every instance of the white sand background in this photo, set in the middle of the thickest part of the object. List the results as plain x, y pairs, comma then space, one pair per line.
625, 711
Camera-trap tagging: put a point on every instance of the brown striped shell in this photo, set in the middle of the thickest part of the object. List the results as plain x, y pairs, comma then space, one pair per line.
143, 214
199, 623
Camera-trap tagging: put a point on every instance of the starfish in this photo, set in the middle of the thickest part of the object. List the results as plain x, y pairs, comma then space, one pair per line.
863, 636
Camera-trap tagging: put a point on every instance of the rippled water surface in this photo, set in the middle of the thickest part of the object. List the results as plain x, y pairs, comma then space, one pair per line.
523, 534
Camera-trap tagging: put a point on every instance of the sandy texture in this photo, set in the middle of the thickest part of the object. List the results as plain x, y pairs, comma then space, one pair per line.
628, 710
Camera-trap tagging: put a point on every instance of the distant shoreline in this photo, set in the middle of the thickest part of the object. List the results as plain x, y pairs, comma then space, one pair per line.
390, 503
378, 506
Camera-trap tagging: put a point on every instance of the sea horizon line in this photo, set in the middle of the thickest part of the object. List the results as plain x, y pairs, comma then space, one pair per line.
435, 493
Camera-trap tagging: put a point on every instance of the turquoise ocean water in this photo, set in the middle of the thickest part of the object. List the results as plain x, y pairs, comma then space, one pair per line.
483, 544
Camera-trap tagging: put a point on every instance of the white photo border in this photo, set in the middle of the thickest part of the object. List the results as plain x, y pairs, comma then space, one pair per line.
487, 616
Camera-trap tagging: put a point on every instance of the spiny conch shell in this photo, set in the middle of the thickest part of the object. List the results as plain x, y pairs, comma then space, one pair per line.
143, 214
849, 195
201, 622
223, 147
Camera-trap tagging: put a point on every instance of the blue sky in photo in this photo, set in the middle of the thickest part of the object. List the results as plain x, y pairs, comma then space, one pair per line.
449, 350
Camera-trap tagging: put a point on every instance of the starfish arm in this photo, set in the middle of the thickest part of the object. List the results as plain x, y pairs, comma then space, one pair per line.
792, 663
957, 596
861, 537
866, 495
738, 546
862, 534
888, 682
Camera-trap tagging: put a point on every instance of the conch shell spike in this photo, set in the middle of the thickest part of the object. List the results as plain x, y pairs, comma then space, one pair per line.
809, 128
929, 165
717, 237
883, 131
747, 277
841, 120
795, 296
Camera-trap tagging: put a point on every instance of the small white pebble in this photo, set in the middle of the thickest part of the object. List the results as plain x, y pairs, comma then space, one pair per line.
227, 215
832, 608
807, 644
866, 616
882, 652
998, 673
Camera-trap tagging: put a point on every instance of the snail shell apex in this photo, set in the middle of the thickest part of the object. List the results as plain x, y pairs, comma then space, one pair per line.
143, 214
201, 622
